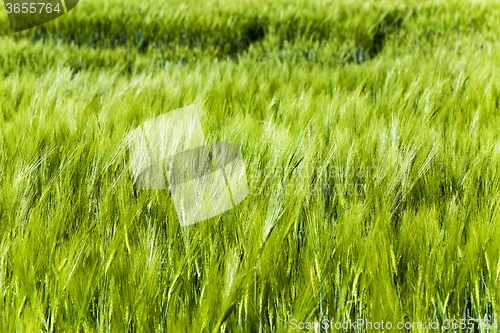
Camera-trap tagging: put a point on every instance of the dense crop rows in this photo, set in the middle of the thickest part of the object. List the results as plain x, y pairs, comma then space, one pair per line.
370, 133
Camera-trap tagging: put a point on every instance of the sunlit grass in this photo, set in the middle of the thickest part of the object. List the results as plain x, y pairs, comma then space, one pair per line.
374, 176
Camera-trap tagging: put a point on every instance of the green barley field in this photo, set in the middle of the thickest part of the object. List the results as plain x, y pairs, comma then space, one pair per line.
370, 132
